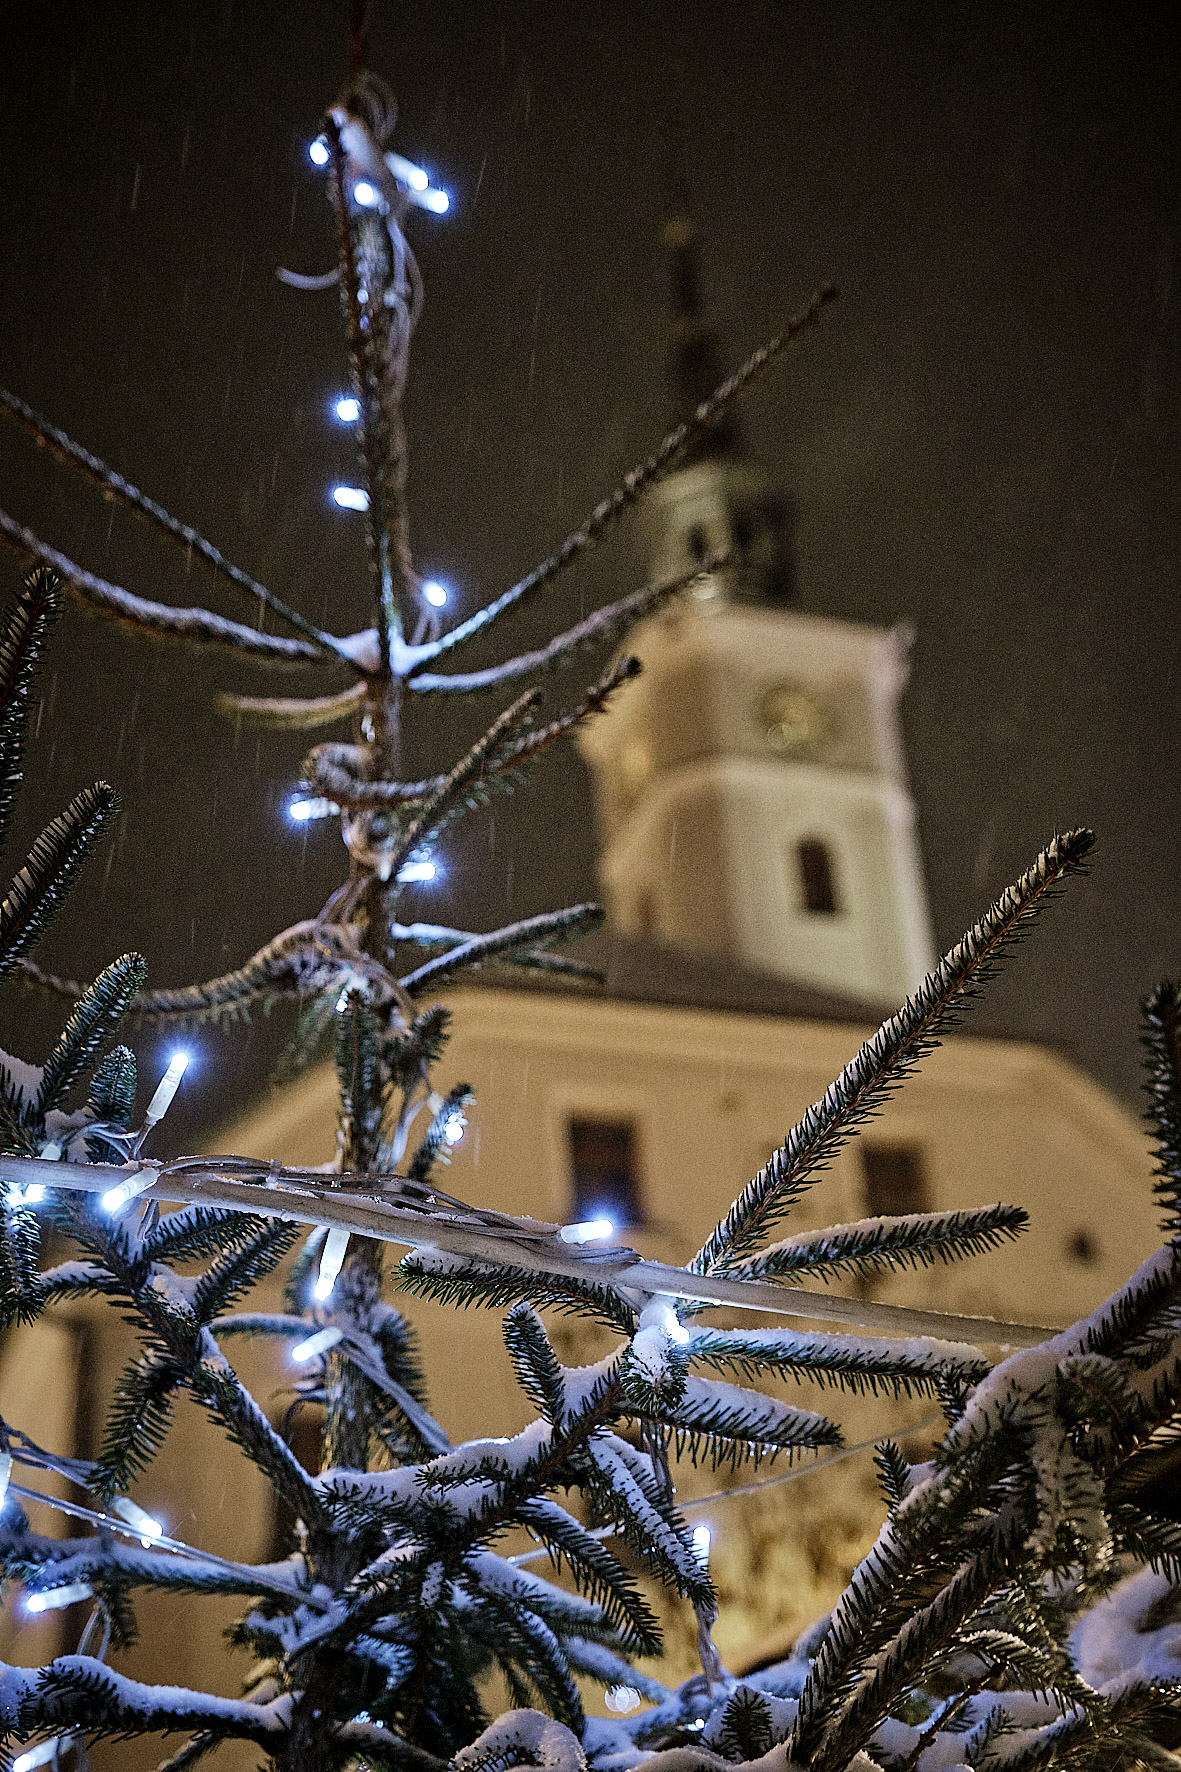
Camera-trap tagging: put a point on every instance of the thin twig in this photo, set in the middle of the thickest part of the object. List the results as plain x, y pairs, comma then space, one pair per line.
664, 457
157, 618
114, 486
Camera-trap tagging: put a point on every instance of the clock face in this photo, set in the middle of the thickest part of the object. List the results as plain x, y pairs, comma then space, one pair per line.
795, 721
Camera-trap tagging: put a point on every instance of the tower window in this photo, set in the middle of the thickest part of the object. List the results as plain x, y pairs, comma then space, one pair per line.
893, 1180
604, 1170
697, 542
817, 878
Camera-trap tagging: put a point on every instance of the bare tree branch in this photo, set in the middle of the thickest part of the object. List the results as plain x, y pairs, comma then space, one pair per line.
664, 457
157, 619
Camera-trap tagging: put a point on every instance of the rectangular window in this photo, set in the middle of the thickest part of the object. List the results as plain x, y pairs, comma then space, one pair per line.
604, 1171
893, 1180
817, 878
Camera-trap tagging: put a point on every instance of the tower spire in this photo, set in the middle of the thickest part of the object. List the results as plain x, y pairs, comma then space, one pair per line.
694, 361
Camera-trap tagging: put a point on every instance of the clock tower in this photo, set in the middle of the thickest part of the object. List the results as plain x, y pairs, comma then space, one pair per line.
751, 786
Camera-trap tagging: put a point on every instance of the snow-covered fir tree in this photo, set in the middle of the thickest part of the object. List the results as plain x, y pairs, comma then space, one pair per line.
1019, 1608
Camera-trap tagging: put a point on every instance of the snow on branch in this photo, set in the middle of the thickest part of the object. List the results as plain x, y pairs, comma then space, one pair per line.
606, 514
160, 619
113, 485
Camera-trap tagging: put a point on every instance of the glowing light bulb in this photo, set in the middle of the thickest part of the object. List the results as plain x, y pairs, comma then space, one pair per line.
407, 171
702, 1537
42, 1754
56, 1597
416, 870
319, 1343
438, 202
347, 409
318, 152
435, 593
148, 1528
367, 195
331, 1262
455, 1127
591, 1230
167, 1087
350, 498
301, 809
117, 1197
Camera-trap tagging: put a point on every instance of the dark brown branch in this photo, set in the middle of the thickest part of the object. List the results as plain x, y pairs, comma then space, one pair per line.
579, 919
331, 768
668, 453
604, 625
114, 486
294, 713
200, 626
453, 785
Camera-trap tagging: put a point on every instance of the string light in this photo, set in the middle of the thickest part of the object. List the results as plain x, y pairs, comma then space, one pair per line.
367, 195
454, 1127
302, 810
331, 1262
438, 202
435, 593
149, 1529
347, 409
54, 1598
622, 1699
43, 1753
350, 498
407, 171
166, 1088
591, 1230
319, 1343
318, 152
117, 1197
702, 1537
416, 870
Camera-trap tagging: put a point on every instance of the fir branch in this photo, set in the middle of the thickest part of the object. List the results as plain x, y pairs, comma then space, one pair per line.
463, 1281
871, 1245
579, 919
79, 1690
451, 790
98, 1013
335, 770
114, 486
1162, 1041
730, 1423
595, 1572
894, 1050
300, 962
854, 1363
51, 867
160, 620
663, 458
23, 635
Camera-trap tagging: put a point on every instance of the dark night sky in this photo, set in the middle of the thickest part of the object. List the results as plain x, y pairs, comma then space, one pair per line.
983, 437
